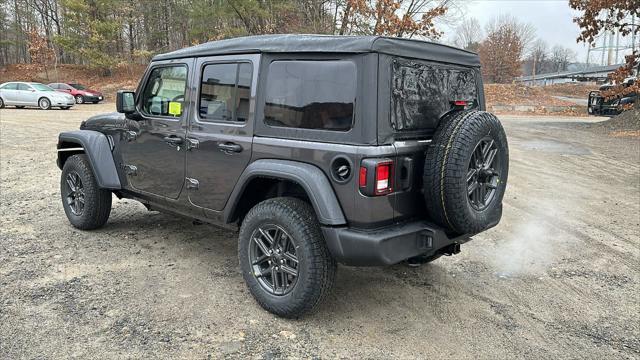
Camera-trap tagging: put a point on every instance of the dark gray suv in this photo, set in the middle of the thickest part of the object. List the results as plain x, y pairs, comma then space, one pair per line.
319, 149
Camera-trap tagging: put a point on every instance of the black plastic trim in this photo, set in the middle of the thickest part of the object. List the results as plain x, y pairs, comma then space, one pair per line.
389, 245
96, 146
311, 178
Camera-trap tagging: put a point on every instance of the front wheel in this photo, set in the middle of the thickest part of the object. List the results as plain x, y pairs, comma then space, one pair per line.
284, 259
79, 99
86, 205
44, 104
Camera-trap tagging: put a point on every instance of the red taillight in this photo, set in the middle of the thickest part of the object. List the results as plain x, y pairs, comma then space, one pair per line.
382, 183
460, 103
362, 180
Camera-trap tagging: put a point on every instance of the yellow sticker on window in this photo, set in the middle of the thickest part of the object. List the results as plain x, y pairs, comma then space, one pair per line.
175, 108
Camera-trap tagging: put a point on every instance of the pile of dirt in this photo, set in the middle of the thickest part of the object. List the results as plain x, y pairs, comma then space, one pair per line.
121, 77
626, 124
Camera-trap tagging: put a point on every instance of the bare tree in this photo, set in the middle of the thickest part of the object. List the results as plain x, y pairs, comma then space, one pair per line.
561, 57
468, 34
538, 55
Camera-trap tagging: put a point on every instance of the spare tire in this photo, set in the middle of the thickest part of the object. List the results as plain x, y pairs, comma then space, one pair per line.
465, 174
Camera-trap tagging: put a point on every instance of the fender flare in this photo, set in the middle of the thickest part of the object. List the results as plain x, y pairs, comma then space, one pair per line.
96, 146
309, 177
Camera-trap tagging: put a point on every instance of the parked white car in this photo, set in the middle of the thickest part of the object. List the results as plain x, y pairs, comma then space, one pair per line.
21, 94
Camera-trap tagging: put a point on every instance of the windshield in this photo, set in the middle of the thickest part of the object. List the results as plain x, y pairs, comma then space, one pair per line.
41, 87
78, 86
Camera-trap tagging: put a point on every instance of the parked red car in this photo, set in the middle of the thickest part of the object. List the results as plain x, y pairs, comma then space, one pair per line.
81, 93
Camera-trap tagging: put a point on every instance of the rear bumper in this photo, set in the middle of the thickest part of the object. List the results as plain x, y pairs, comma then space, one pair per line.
388, 245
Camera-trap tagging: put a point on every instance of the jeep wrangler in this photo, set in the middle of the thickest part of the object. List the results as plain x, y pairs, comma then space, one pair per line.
361, 150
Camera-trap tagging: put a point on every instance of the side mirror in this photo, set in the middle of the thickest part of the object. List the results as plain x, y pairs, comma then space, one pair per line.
125, 102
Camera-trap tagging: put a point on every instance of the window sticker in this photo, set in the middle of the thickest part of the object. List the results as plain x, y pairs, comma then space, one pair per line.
175, 108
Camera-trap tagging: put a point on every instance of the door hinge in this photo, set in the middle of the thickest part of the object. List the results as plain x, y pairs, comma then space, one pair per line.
192, 184
130, 170
192, 143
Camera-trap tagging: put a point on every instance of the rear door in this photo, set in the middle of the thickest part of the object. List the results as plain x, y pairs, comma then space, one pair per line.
220, 131
9, 93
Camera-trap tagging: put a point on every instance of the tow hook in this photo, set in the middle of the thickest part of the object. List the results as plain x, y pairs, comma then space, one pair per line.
452, 249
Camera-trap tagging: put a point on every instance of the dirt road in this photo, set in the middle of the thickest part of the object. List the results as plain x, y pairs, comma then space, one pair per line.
558, 278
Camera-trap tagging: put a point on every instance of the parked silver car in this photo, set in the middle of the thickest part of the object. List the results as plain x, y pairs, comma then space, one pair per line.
21, 94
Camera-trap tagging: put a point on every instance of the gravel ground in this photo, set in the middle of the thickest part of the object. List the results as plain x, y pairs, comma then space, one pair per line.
558, 278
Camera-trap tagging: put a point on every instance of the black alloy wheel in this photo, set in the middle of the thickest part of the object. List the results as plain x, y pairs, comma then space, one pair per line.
75, 195
273, 259
482, 175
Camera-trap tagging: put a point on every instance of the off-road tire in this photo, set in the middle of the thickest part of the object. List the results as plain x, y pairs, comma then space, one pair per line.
44, 103
446, 169
316, 267
97, 202
79, 99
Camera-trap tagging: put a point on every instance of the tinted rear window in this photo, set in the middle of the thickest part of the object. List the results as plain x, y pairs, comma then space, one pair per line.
422, 92
311, 94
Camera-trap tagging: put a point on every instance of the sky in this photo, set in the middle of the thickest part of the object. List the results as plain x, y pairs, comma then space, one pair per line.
553, 20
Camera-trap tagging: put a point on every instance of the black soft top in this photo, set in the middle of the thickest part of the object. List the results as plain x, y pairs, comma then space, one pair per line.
292, 43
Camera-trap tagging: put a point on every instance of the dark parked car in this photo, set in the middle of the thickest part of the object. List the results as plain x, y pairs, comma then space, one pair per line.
600, 105
81, 93
319, 149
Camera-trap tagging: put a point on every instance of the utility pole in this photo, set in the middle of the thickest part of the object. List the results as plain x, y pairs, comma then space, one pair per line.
604, 46
610, 49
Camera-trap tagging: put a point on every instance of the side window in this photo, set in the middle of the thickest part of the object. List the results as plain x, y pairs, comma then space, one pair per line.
225, 92
311, 94
53, 86
24, 87
165, 90
12, 86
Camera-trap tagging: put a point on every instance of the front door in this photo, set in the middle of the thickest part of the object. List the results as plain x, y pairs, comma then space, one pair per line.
152, 146
221, 129
27, 95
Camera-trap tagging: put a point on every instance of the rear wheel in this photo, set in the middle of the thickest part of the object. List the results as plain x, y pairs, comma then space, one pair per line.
79, 99
44, 104
1, 103
85, 204
466, 171
284, 259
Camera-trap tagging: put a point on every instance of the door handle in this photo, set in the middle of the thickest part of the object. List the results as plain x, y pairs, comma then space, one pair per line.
230, 147
173, 140
131, 135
